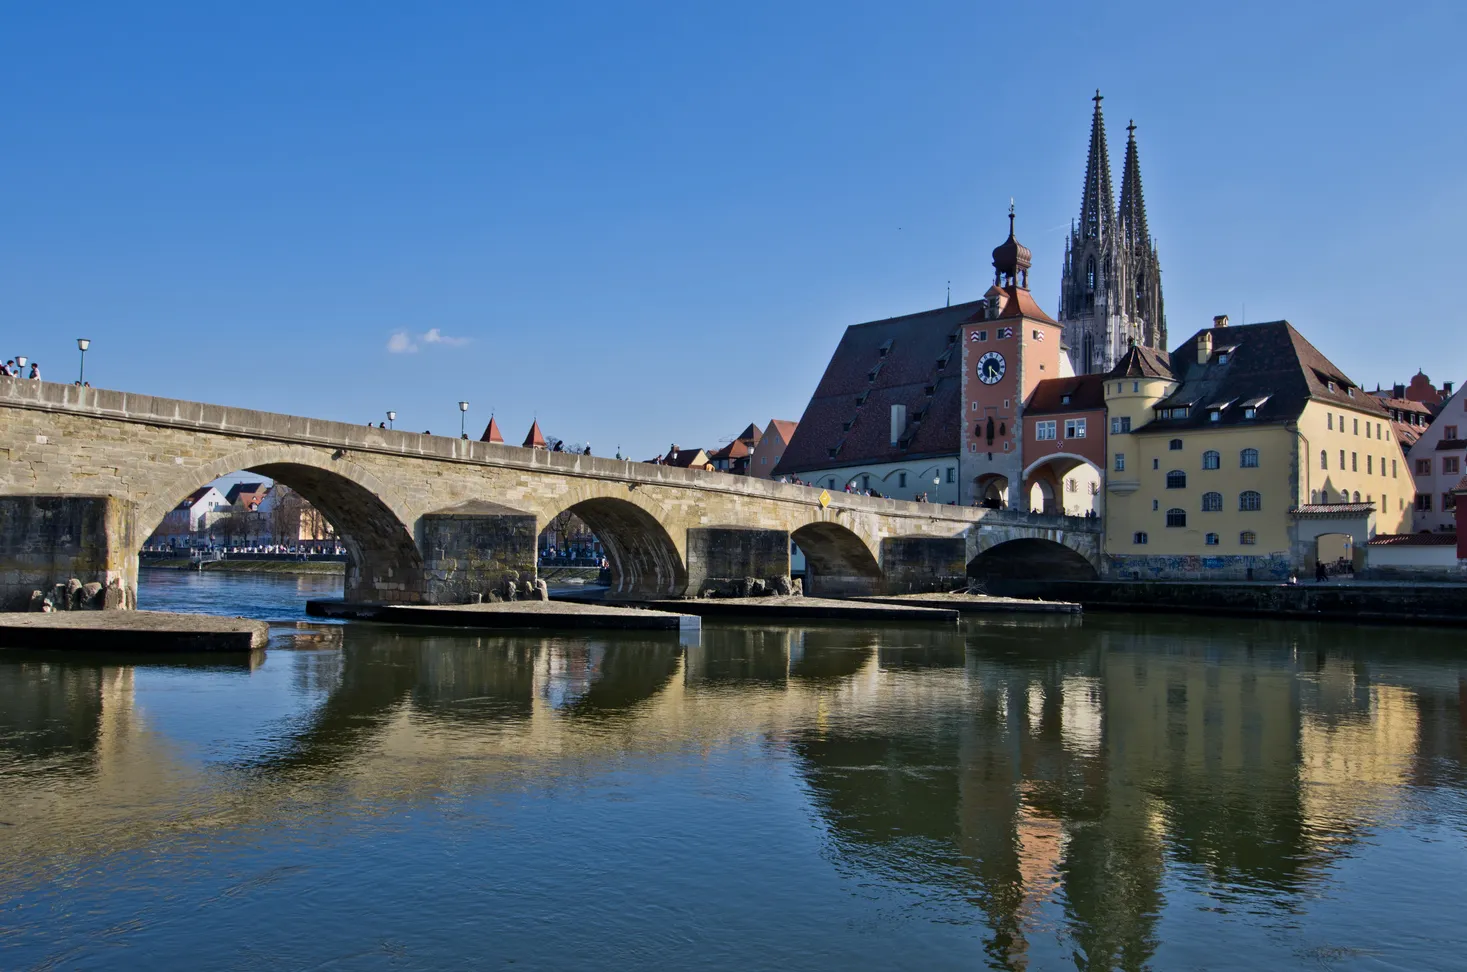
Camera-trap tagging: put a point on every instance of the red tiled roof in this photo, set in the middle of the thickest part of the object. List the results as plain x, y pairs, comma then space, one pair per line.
1018, 302
1461, 487
734, 450
1085, 392
1413, 540
908, 374
785, 428
491, 432
535, 440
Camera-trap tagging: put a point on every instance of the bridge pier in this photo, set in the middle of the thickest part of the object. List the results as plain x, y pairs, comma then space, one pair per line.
46, 541
924, 565
720, 559
473, 548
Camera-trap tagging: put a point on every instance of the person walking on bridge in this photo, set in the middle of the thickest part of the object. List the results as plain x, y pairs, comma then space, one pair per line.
35, 374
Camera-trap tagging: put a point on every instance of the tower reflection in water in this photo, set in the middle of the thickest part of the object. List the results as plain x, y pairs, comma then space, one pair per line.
1057, 782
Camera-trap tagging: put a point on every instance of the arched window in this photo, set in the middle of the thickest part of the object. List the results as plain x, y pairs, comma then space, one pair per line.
1212, 540
1250, 500
1344, 496
1175, 445
1357, 495
1212, 502
1090, 273
1176, 479
1176, 517
1247, 538
1249, 459
1323, 458
1089, 351
1211, 459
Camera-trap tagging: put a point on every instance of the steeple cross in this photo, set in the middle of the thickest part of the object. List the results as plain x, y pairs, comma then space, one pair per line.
1131, 128
1098, 99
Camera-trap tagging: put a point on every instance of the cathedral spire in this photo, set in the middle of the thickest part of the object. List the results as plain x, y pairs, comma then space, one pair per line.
1097, 205
1133, 204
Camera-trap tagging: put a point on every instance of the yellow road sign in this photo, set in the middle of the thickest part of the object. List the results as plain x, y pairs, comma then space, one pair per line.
824, 498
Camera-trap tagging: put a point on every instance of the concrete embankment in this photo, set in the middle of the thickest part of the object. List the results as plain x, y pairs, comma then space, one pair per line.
779, 608
1351, 601
130, 631
540, 615
977, 603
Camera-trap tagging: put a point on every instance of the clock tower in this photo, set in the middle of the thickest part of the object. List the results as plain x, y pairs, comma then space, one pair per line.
1009, 346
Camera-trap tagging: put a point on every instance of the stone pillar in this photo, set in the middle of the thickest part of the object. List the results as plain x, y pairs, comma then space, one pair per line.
47, 541
921, 565
721, 559
473, 548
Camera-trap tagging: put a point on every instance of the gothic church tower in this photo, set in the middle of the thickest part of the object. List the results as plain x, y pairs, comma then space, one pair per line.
1110, 287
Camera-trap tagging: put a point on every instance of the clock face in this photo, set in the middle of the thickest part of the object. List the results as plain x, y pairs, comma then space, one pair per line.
991, 367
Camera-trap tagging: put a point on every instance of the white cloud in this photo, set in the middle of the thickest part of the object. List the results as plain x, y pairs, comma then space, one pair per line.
434, 336
401, 342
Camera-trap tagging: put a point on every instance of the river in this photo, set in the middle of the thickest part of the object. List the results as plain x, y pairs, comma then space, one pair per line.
1113, 792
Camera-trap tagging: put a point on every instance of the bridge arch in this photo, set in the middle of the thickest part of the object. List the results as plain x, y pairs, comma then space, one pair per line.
644, 558
373, 524
837, 560
1030, 558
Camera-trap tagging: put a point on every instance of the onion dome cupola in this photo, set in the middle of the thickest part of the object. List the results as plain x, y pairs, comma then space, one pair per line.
1011, 260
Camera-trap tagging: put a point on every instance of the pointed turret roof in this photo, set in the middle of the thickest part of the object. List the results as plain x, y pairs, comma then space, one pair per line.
535, 440
491, 432
1133, 204
1097, 205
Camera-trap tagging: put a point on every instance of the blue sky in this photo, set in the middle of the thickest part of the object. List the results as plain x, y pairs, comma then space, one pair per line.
647, 223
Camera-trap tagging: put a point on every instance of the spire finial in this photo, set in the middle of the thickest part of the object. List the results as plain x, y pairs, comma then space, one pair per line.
1098, 99
1131, 128
949, 293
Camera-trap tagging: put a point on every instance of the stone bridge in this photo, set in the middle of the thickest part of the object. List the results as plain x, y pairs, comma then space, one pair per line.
89, 474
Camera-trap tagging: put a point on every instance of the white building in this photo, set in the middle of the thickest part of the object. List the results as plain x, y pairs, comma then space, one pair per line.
193, 513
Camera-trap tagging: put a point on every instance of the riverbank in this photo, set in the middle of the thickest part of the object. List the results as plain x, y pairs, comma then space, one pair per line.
1381, 601
327, 567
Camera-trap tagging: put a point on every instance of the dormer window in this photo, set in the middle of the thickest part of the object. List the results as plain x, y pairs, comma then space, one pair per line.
1249, 413
1350, 392
1215, 415
885, 348
1222, 357
1064, 399
1329, 385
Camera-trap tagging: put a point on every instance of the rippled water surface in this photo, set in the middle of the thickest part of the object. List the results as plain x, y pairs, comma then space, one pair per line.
1149, 792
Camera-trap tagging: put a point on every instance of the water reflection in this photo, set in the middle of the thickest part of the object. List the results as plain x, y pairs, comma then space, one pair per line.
1058, 788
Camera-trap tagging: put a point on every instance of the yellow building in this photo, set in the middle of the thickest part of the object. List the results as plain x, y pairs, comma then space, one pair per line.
1245, 453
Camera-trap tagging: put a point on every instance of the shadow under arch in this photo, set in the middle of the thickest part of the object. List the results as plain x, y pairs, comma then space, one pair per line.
383, 561
1028, 559
837, 561
644, 559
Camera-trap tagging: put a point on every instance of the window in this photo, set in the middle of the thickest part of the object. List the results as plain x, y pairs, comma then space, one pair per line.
1250, 412
1451, 464
1135, 387
1354, 462
1248, 459
1156, 464
1214, 416
1139, 537
1323, 458
1212, 540
1344, 496
1175, 445
1044, 431
1064, 399
1357, 426
865, 482
1449, 432
1423, 502
1330, 419
1120, 425
902, 480
952, 474
1176, 479
1423, 467
1120, 462
1176, 517
1212, 502
1369, 464
1155, 505
1449, 502
1074, 428
1357, 495
1212, 459
1247, 538
1250, 501
1367, 430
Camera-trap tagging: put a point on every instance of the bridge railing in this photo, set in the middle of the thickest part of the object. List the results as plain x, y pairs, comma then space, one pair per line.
1052, 521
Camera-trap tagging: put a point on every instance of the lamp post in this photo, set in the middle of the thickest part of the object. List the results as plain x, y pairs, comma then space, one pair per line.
82, 345
20, 361
463, 414
936, 482
391, 417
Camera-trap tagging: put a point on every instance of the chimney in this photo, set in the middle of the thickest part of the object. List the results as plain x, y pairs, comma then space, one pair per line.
1446, 389
1220, 320
1204, 346
898, 422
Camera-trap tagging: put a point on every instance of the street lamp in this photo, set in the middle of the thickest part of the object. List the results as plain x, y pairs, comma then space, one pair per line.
463, 414
391, 417
20, 360
82, 344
